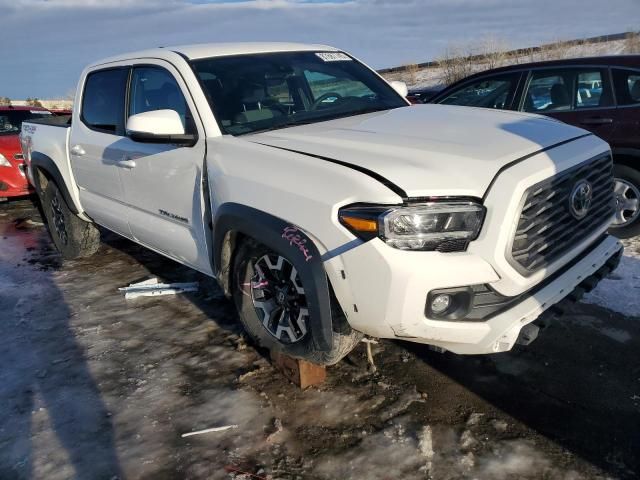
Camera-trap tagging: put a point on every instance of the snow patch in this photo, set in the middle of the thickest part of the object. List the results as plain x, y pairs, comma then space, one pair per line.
620, 291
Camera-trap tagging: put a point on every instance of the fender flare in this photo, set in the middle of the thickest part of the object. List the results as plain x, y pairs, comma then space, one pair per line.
288, 240
44, 162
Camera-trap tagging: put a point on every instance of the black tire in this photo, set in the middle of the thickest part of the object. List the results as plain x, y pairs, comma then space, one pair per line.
344, 337
72, 236
630, 177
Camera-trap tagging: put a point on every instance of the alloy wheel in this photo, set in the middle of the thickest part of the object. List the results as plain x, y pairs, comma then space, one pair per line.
279, 298
627, 197
58, 219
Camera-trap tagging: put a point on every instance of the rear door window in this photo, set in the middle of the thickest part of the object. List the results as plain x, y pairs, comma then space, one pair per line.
567, 89
627, 86
103, 100
489, 92
593, 90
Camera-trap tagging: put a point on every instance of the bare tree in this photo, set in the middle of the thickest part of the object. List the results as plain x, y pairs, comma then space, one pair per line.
632, 42
494, 52
456, 63
33, 102
412, 73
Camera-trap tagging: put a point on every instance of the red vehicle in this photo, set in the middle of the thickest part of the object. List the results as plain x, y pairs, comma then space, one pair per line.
13, 181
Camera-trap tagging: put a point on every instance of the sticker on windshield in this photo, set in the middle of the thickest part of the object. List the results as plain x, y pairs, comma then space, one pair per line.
333, 56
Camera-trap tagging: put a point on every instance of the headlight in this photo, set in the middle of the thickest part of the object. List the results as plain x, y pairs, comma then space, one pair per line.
442, 226
3, 161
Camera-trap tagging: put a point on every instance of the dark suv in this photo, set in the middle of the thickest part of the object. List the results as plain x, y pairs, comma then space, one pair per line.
600, 94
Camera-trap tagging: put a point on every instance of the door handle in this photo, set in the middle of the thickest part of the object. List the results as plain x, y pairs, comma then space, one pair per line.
127, 163
597, 121
77, 151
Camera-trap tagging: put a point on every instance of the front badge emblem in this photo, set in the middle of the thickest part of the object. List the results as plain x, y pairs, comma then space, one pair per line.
580, 199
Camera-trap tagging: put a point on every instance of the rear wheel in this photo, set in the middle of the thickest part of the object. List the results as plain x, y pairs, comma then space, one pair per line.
72, 236
627, 193
272, 304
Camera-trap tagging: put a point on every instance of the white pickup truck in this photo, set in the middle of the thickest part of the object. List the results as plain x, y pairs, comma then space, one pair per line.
325, 205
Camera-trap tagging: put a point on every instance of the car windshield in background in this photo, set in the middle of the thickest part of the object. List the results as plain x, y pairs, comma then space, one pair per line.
11, 120
250, 93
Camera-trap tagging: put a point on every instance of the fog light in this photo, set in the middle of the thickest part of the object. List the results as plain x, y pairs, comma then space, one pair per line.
440, 303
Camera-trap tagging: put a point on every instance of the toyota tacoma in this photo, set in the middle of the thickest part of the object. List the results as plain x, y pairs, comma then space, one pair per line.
325, 206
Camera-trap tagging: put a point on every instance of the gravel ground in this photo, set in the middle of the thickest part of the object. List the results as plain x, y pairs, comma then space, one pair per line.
93, 386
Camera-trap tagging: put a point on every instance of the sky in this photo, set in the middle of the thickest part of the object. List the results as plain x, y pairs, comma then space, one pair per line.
46, 43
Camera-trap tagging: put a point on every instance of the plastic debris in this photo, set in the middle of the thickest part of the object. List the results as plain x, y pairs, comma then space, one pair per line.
209, 430
151, 288
369, 342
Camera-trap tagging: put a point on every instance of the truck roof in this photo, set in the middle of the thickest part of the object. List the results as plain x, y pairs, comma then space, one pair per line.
206, 50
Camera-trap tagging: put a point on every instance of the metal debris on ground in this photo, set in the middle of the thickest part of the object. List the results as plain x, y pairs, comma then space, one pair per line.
209, 430
151, 288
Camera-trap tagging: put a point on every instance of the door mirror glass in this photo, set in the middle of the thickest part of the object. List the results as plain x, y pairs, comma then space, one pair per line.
158, 126
400, 87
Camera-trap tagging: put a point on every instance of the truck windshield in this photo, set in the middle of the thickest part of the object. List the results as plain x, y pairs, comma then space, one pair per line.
11, 120
258, 92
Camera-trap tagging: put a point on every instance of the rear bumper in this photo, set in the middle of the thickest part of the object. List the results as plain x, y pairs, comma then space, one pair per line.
391, 297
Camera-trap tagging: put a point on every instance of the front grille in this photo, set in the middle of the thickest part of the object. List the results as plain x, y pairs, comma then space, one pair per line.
547, 228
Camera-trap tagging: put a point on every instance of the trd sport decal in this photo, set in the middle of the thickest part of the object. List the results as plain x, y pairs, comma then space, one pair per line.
173, 216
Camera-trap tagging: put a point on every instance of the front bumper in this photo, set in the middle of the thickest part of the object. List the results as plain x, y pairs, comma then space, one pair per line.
13, 182
390, 289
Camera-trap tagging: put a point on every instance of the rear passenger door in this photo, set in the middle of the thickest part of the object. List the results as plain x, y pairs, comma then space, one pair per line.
95, 149
581, 96
627, 87
162, 182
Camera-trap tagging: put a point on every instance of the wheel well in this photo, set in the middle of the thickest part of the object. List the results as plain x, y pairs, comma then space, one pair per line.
228, 250
42, 179
630, 161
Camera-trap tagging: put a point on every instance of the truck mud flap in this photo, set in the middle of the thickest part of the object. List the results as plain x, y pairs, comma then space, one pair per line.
288, 240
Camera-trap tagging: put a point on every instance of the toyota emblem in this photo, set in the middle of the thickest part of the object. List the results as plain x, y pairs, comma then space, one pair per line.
580, 199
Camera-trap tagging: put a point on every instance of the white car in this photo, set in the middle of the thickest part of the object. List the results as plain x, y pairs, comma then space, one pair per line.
324, 203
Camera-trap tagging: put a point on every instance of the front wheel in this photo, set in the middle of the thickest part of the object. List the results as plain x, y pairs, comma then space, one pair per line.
72, 236
272, 305
627, 193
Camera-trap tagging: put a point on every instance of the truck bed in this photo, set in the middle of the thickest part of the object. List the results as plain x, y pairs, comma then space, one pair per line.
49, 137
53, 121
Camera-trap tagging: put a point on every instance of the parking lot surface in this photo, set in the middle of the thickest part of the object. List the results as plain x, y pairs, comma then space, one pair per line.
96, 386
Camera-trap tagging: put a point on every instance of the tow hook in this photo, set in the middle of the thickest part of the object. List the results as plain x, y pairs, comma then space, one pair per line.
528, 334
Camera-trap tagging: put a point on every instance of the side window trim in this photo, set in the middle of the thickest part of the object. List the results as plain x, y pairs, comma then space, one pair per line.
120, 128
127, 105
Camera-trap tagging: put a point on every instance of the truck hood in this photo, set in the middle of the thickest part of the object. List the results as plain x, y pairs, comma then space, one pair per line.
426, 150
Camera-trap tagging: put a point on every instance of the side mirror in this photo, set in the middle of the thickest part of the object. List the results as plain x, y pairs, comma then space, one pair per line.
158, 126
400, 87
